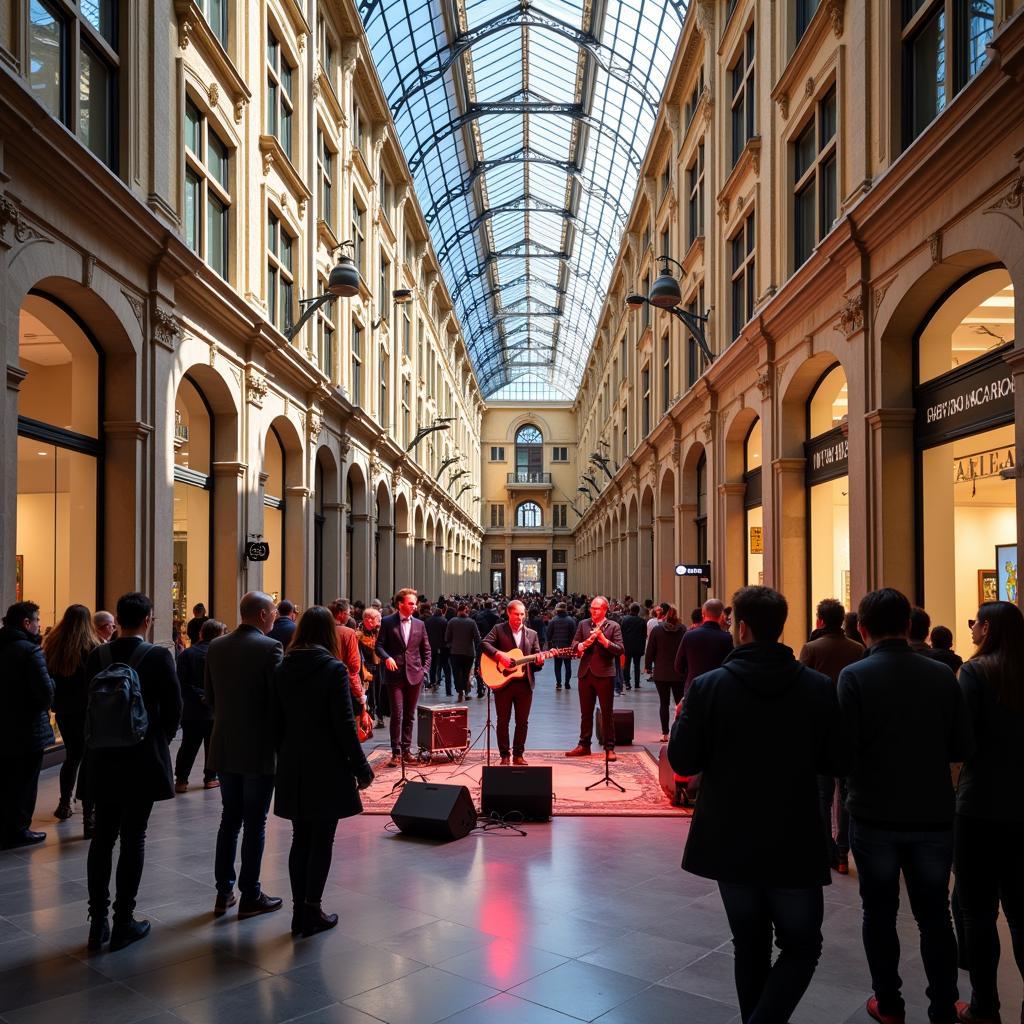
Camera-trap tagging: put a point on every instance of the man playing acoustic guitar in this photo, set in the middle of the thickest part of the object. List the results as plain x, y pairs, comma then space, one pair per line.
517, 693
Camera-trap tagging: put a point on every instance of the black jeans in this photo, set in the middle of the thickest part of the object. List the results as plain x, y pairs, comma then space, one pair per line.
632, 668
72, 732
193, 736
245, 803
593, 689
563, 663
19, 785
128, 821
672, 689
989, 871
769, 993
925, 860
462, 665
838, 844
309, 860
440, 665
518, 695
404, 697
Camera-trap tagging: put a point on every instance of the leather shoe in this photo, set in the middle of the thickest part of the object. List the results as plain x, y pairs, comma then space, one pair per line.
611, 755
394, 762
884, 1018
317, 921
262, 904
181, 787
519, 760
409, 759
99, 932
578, 751
24, 838
63, 811
211, 784
224, 900
124, 933
504, 760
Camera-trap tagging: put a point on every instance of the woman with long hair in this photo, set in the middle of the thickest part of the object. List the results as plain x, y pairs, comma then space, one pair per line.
660, 659
67, 647
989, 830
320, 764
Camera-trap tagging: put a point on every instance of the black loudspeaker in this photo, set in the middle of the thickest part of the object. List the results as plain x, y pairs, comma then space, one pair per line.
517, 791
442, 728
434, 811
623, 722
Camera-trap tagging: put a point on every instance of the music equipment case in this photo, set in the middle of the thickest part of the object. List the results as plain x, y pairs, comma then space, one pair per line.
517, 791
622, 720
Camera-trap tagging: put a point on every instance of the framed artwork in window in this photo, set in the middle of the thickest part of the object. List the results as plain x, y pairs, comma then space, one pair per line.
988, 585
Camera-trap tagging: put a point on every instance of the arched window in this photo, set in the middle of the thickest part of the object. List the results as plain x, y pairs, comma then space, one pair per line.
529, 514
529, 454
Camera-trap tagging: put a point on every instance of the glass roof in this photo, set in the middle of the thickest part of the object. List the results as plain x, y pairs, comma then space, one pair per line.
525, 123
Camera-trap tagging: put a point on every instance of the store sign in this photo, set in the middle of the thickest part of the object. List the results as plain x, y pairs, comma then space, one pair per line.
701, 571
828, 456
756, 540
981, 465
257, 551
967, 400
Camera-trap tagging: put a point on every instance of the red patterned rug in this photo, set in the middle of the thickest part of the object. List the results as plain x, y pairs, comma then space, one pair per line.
635, 769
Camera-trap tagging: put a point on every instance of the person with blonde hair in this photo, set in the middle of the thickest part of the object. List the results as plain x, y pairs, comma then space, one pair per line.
67, 648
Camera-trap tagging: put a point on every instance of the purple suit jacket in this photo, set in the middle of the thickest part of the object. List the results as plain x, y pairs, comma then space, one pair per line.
413, 660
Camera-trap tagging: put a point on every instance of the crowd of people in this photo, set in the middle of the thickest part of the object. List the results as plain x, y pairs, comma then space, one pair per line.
875, 741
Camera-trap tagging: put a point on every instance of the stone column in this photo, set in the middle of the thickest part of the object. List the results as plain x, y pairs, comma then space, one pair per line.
228, 512
333, 548
632, 567
9, 506
419, 564
298, 520
686, 549
730, 560
403, 559
385, 562
359, 585
786, 557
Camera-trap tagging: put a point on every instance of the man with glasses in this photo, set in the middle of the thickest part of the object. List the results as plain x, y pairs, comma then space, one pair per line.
598, 641
25, 730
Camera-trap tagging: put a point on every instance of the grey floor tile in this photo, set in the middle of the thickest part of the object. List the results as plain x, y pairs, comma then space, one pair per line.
198, 978
502, 964
580, 990
711, 976
358, 970
101, 1004
641, 955
658, 1003
431, 943
45, 979
422, 998
509, 1009
827, 1003
336, 1013
268, 1001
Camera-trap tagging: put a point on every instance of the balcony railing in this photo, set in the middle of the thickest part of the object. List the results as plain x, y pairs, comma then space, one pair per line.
527, 478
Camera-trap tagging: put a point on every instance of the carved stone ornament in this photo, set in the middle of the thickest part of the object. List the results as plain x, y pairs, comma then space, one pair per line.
706, 18
809, 86
166, 331
10, 214
344, 447
1011, 205
213, 92
935, 246
300, 40
877, 297
256, 389
835, 15
185, 27
784, 105
764, 384
315, 426
706, 427
376, 465
239, 110
851, 316
723, 208
268, 160
136, 303
213, 353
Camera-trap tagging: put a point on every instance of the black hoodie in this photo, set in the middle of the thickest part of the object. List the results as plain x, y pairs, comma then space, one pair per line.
761, 729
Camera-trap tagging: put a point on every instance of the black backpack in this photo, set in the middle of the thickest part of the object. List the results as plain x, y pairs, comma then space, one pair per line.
115, 715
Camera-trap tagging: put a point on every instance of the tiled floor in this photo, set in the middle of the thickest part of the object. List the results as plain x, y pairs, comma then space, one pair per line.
584, 919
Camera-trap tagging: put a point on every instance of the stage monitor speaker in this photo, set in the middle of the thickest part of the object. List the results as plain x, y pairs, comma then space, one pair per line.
442, 728
623, 722
434, 811
516, 790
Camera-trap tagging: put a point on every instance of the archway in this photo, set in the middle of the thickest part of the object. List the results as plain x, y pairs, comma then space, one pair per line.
403, 544
419, 549
284, 503
665, 539
357, 541
327, 524
384, 544
645, 544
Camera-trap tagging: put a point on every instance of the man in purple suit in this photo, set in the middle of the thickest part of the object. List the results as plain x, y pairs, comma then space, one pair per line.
403, 647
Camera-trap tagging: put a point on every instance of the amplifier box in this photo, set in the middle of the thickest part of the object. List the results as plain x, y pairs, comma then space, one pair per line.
623, 722
434, 811
442, 728
518, 791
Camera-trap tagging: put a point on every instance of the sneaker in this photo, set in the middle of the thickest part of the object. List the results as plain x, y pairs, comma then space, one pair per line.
262, 904
63, 811
211, 784
124, 933
884, 1018
578, 751
224, 900
181, 787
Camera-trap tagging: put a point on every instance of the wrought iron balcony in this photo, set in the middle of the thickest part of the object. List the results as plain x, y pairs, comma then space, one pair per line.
529, 480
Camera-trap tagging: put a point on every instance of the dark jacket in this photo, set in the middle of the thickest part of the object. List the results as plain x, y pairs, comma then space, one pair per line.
413, 659
950, 659
831, 653
906, 721
320, 757
634, 634
761, 714
26, 693
660, 656
599, 660
561, 630
501, 638
701, 649
142, 772
990, 783
282, 631
436, 626
239, 686
485, 620
191, 668
71, 693
540, 627
462, 636
194, 627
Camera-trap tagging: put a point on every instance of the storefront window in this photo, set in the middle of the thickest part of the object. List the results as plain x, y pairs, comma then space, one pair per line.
193, 485
828, 484
273, 515
701, 523
752, 504
965, 437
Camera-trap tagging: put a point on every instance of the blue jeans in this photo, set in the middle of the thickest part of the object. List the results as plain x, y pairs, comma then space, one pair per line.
769, 993
245, 803
925, 860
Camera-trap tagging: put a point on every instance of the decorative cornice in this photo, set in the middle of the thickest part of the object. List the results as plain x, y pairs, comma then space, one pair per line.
166, 330
131, 429
137, 304
10, 214
15, 376
193, 28
275, 156
851, 316
1011, 203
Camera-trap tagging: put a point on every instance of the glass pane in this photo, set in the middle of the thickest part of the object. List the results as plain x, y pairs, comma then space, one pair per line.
827, 118
193, 129
829, 404
192, 429
193, 204
286, 305
830, 552
273, 533
56, 528
805, 150
217, 16
102, 15
828, 208
217, 235
62, 386
191, 570
94, 103
285, 137
755, 546
753, 453
980, 24
803, 227
272, 102
928, 72
46, 57
217, 159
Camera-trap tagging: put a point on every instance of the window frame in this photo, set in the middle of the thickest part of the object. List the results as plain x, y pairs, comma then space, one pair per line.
280, 88
743, 92
280, 273
814, 177
535, 512
743, 271
200, 168
695, 196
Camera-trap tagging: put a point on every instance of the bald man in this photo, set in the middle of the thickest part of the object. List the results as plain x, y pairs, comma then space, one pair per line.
598, 642
704, 647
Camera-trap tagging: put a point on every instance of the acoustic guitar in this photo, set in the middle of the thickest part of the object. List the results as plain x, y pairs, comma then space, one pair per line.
495, 677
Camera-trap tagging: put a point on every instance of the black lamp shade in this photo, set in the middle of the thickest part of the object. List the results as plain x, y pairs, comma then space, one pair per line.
665, 291
635, 301
402, 295
344, 279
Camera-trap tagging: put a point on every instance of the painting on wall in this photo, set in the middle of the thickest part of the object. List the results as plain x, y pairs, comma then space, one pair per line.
988, 585
19, 577
1006, 570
